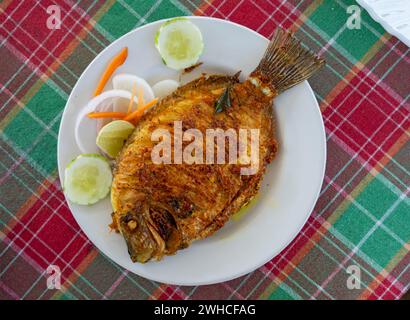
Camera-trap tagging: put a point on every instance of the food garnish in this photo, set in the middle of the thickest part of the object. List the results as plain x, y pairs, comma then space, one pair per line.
134, 116
118, 60
179, 42
125, 81
133, 92
96, 115
112, 136
141, 100
164, 87
224, 101
87, 179
122, 115
86, 128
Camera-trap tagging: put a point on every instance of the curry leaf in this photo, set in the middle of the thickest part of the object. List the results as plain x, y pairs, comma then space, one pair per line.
224, 101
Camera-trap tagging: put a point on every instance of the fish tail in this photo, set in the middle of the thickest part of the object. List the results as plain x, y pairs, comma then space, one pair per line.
286, 63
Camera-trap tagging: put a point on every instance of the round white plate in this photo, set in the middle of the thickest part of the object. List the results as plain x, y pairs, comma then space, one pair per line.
290, 187
393, 15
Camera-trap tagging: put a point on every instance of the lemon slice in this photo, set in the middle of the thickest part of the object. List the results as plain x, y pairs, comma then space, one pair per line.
113, 135
179, 43
87, 179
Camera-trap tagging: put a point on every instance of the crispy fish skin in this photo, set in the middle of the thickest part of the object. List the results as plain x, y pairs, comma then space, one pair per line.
161, 208
174, 204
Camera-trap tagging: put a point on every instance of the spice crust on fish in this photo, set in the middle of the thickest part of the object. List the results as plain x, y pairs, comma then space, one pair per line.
162, 208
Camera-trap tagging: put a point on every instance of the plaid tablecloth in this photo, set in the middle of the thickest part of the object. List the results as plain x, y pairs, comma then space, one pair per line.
361, 222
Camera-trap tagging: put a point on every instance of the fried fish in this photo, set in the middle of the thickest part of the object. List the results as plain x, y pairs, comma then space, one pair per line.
161, 208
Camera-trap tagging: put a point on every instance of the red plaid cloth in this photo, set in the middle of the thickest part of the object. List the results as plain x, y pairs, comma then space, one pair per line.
361, 217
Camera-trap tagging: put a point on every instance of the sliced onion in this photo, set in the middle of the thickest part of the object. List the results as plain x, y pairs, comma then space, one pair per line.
164, 88
104, 107
86, 129
125, 81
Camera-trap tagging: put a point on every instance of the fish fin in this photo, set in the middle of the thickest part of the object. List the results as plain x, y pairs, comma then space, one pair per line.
286, 63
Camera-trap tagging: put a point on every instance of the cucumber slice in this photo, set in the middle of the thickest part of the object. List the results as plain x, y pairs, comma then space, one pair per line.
87, 179
179, 43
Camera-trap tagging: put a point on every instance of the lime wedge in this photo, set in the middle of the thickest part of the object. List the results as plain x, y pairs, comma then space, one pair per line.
87, 179
113, 135
179, 43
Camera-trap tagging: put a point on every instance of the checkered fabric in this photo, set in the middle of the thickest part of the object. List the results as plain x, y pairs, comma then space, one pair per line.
362, 217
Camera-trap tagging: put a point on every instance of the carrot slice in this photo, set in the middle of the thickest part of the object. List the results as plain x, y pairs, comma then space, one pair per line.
118, 60
134, 89
140, 111
141, 101
95, 115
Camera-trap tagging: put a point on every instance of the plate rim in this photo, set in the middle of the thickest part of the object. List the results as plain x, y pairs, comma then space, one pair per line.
271, 254
385, 24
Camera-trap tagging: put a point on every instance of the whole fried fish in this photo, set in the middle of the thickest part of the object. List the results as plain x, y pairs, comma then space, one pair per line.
160, 208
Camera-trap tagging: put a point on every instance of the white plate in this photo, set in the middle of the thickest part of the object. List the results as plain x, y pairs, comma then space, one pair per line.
290, 188
393, 15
